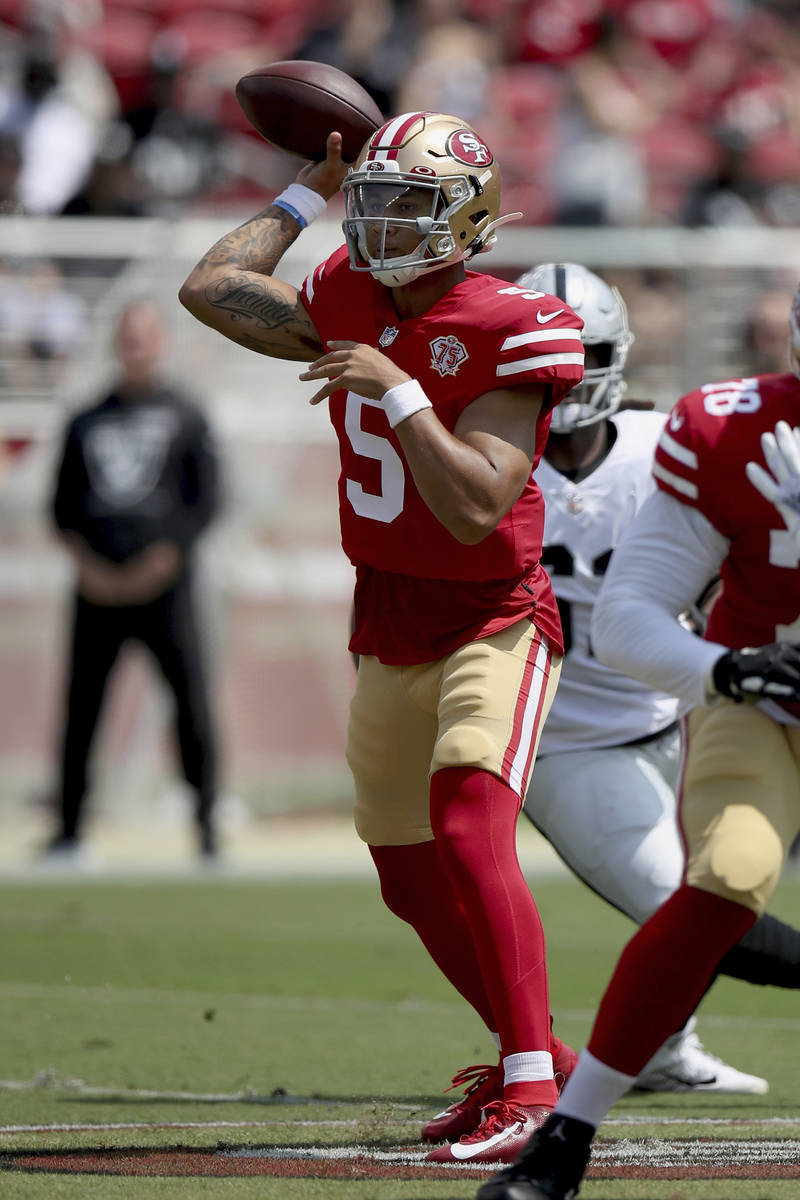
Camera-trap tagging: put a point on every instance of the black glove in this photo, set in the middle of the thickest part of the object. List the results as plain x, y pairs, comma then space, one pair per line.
762, 672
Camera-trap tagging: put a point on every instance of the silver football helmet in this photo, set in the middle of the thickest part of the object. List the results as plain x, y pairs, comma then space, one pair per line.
606, 339
794, 334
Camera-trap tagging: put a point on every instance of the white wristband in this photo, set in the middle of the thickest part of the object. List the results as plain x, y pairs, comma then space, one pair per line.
301, 202
403, 401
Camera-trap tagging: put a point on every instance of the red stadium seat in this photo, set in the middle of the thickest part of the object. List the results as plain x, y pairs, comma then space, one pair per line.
122, 41
207, 33
675, 154
525, 94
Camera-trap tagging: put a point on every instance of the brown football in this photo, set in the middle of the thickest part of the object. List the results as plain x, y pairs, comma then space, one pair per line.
295, 104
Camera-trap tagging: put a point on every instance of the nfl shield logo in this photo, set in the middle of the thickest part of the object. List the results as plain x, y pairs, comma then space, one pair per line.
448, 353
388, 335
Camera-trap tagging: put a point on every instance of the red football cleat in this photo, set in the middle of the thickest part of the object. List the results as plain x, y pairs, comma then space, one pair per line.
502, 1135
465, 1115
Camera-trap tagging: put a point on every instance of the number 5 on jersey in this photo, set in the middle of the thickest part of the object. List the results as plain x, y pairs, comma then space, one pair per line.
388, 502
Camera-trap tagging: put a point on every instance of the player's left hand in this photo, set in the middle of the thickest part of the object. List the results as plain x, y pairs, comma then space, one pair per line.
782, 487
355, 367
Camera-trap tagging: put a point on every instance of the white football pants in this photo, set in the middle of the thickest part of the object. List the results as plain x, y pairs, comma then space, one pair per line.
611, 816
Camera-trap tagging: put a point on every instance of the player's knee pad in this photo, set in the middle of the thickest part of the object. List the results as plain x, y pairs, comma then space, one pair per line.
742, 859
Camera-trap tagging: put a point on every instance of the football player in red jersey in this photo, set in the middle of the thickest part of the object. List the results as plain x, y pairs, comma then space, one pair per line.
726, 503
440, 382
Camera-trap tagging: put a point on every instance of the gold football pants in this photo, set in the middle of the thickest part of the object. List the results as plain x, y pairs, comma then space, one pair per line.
482, 706
740, 804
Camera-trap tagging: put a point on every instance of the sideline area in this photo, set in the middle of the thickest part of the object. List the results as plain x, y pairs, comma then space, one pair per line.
316, 845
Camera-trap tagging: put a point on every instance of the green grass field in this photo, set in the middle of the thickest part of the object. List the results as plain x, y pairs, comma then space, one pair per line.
213, 1013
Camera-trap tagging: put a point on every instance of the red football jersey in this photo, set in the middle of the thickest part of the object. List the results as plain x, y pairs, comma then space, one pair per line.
411, 604
711, 434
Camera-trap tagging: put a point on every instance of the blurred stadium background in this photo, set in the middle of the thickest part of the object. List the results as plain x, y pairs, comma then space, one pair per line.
656, 141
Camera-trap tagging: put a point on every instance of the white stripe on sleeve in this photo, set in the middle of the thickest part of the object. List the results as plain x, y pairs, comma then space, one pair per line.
541, 335
539, 361
675, 450
680, 485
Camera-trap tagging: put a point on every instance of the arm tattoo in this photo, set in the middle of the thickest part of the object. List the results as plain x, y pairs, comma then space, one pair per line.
259, 244
246, 299
249, 306
262, 311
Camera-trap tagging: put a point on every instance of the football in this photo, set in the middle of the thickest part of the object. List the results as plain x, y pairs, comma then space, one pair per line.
295, 104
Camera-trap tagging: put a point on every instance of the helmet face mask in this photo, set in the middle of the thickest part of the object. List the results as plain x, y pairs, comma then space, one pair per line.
605, 336
424, 193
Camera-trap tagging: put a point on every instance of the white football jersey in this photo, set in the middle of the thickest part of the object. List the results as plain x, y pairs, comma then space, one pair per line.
596, 706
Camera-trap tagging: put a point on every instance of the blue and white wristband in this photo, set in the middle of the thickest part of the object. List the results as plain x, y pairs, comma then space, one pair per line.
302, 203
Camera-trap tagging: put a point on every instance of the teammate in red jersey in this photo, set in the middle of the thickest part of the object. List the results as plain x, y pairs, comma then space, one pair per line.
440, 383
727, 503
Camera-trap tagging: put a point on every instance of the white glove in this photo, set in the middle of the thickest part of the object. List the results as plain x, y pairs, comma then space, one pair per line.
782, 487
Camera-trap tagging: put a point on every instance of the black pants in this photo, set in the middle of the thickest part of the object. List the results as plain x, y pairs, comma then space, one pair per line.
168, 628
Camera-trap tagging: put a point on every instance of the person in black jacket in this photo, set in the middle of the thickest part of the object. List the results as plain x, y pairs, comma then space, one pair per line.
138, 482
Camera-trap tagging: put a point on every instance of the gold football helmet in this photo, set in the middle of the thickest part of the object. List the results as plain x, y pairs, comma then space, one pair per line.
423, 193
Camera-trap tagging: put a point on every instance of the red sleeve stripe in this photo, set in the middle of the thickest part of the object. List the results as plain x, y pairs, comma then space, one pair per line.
681, 454
541, 335
538, 362
684, 486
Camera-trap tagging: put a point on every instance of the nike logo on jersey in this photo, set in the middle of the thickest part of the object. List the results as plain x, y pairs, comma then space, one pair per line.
543, 318
675, 421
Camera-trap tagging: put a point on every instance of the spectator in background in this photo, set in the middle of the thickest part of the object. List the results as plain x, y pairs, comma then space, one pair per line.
10, 166
453, 64
372, 40
765, 333
112, 188
56, 139
41, 322
175, 150
136, 485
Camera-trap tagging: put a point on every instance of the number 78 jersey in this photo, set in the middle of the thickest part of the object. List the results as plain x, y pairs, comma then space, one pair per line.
483, 335
711, 434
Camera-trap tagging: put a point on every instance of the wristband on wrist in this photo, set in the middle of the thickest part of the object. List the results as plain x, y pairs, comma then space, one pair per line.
403, 401
302, 203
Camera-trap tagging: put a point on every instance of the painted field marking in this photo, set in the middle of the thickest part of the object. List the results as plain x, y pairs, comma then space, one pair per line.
689, 1158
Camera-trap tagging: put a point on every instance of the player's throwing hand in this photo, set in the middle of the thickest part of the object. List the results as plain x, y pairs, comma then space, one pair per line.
354, 366
782, 487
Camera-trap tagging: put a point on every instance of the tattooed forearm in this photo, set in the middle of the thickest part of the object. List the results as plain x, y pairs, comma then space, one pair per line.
234, 291
246, 298
258, 245
251, 302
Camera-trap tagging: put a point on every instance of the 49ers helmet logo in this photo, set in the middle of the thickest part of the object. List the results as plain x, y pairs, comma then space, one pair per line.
465, 146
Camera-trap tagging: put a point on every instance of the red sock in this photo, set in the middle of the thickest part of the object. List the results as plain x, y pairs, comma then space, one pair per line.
415, 888
474, 819
662, 975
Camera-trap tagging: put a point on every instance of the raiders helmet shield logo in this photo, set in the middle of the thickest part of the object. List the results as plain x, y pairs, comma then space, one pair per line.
448, 353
